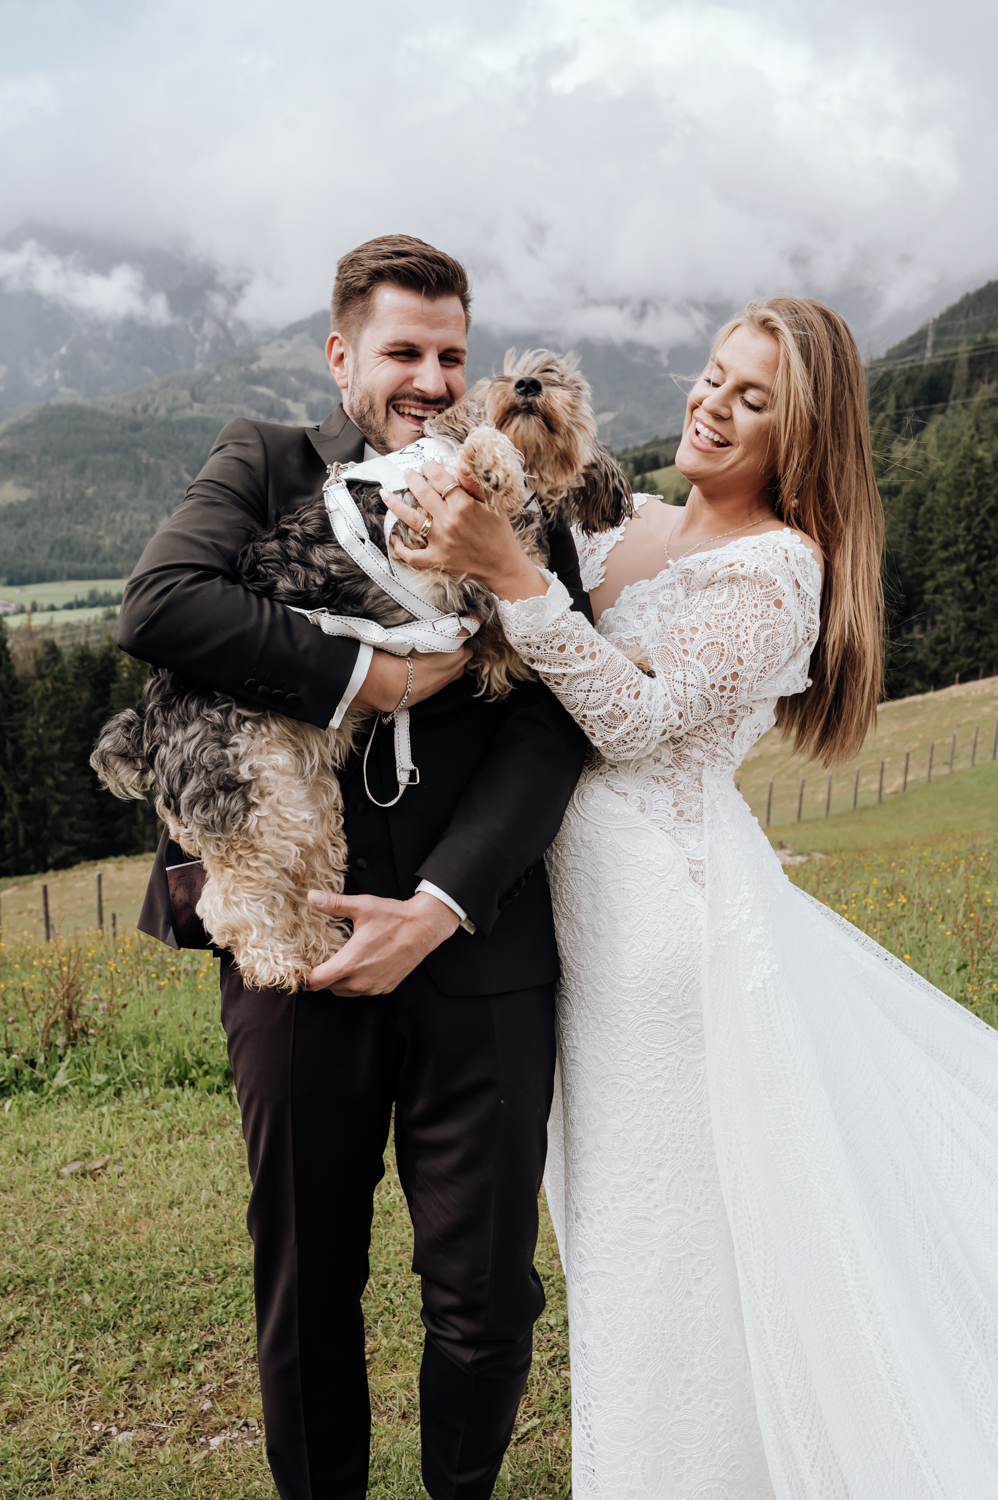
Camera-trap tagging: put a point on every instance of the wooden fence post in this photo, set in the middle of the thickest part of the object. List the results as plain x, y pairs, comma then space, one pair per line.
994, 742
114, 927
100, 901
952, 752
928, 774
973, 748
855, 789
769, 803
828, 795
800, 799
45, 911
880, 787
904, 784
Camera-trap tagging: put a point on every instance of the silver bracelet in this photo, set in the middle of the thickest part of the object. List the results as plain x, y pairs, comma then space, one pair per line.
387, 718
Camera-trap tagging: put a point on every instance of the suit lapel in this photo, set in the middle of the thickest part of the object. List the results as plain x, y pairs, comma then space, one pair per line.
337, 441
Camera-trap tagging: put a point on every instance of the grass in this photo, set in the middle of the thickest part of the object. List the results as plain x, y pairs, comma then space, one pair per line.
935, 905
41, 595
964, 803
126, 1324
73, 896
671, 484
907, 725
46, 607
57, 622
127, 1367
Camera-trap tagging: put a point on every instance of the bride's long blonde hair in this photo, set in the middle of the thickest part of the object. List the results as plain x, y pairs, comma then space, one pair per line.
824, 486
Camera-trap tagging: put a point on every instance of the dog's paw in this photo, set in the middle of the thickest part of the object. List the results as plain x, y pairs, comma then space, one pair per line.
495, 465
639, 656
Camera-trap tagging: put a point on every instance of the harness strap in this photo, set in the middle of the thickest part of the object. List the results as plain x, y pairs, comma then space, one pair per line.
406, 774
441, 634
431, 630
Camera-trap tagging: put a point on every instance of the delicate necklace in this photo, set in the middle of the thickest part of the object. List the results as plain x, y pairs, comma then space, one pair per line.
720, 537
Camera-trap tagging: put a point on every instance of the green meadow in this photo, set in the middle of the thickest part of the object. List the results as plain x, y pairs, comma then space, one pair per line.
127, 1366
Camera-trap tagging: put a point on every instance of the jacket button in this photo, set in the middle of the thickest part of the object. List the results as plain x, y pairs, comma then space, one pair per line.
263, 690
360, 864
293, 699
251, 684
277, 695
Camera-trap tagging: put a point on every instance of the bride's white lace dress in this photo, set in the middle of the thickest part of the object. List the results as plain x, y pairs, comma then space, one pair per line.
774, 1149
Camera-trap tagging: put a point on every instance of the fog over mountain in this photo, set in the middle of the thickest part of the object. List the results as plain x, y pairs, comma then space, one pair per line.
609, 172
93, 319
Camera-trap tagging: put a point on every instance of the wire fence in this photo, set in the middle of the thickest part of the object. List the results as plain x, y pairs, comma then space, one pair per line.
825, 793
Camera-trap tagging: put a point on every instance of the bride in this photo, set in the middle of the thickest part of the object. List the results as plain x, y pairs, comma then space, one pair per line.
774, 1148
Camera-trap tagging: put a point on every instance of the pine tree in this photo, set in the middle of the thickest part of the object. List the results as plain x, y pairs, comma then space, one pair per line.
941, 501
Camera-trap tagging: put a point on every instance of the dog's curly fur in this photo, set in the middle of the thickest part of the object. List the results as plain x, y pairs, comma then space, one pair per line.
253, 794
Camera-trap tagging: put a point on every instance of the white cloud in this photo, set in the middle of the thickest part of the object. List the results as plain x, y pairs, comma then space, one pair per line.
601, 167
107, 296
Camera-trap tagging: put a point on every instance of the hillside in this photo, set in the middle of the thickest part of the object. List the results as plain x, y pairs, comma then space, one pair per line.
938, 366
905, 731
83, 317
84, 484
934, 415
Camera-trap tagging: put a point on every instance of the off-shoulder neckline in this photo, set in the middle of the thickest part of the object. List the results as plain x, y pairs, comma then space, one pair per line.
785, 532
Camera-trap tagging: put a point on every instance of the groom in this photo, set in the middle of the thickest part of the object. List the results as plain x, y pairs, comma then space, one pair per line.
441, 1004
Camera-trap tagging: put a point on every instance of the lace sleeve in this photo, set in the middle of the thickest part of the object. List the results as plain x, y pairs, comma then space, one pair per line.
742, 618
594, 550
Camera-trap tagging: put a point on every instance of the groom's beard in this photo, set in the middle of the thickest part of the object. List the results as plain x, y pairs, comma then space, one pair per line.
375, 421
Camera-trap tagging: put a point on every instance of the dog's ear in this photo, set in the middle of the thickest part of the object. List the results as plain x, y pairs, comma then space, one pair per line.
119, 755
603, 499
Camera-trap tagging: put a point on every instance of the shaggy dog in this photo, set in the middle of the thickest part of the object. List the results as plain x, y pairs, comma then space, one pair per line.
253, 794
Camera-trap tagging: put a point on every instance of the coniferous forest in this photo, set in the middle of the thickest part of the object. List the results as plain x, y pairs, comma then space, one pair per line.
934, 421
53, 813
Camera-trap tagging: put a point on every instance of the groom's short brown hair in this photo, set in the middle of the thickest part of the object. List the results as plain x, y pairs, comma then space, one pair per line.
398, 260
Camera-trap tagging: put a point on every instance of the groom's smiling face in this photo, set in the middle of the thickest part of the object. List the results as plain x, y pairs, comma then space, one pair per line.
402, 366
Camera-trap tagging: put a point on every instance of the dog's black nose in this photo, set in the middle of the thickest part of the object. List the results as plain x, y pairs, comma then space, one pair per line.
528, 386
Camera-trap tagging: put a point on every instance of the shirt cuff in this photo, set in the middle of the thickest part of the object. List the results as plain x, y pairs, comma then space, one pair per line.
361, 668
434, 890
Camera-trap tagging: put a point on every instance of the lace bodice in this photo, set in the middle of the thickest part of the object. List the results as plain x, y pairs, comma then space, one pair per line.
726, 633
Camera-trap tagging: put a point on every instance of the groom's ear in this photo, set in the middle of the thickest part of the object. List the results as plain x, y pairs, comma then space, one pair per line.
337, 358
603, 499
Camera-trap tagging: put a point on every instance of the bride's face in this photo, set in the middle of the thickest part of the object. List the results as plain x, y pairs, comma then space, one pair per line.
727, 440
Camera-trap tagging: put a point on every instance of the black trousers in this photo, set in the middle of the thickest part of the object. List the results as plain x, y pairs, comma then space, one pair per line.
470, 1080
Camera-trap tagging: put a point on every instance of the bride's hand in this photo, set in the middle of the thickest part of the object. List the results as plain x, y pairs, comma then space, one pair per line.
467, 537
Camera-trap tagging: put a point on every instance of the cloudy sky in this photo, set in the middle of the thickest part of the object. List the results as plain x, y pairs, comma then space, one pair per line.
603, 168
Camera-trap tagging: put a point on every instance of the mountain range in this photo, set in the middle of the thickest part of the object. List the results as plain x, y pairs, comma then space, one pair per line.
86, 476
111, 407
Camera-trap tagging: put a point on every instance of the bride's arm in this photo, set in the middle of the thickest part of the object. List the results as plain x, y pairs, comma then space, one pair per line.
738, 627
733, 635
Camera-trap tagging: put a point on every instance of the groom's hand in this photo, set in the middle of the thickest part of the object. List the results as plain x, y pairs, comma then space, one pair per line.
389, 939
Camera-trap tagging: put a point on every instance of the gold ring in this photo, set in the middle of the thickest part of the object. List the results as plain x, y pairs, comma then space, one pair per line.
446, 492
424, 530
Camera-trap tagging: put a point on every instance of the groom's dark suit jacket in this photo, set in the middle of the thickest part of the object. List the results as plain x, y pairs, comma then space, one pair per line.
495, 778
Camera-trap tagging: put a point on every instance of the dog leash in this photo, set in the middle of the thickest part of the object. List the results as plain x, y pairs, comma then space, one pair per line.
432, 630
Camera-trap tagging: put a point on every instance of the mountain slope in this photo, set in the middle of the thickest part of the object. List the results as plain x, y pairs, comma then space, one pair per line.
84, 484
83, 318
934, 417
938, 366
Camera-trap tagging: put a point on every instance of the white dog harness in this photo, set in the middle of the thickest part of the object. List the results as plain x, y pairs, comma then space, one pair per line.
431, 630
